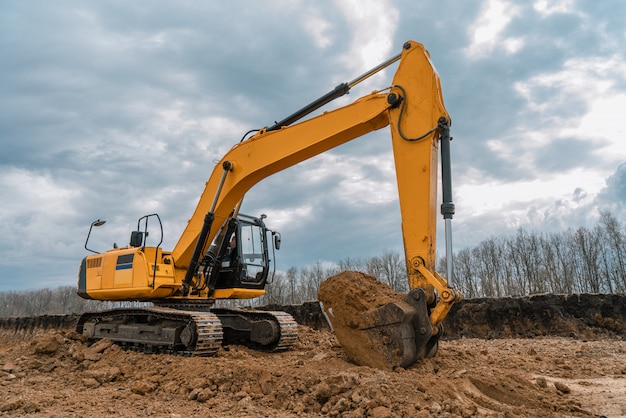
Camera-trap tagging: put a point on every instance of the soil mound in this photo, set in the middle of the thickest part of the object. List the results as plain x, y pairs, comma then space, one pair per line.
306, 313
22, 326
586, 316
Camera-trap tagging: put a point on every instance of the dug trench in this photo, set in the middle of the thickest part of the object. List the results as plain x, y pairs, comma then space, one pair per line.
540, 356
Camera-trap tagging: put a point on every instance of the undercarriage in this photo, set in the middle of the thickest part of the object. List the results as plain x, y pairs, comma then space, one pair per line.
190, 332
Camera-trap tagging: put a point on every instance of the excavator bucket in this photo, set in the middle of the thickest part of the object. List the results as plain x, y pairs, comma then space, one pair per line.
375, 325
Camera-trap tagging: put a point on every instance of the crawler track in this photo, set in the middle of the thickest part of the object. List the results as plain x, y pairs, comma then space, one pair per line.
190, 332
156, 329
284, 328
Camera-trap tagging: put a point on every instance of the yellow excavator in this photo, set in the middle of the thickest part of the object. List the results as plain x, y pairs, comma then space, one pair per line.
223, 254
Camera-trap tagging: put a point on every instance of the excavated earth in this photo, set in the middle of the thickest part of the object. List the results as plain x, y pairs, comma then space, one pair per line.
540, 356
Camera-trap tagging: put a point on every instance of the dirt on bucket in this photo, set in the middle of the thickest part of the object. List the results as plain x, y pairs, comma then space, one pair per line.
348, 298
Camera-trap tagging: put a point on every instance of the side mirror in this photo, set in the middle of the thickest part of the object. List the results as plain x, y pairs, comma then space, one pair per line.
136, 239
94, 223
276, 240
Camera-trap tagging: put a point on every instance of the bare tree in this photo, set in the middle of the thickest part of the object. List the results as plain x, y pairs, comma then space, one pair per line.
615, 239
389, 268
588, 246
353, 264
464, 278
310, 278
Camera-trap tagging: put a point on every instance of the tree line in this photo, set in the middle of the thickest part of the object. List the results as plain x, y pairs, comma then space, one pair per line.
582, 260
62, 300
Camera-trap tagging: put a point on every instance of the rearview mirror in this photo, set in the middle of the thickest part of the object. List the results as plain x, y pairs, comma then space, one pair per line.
276, 240
136, 239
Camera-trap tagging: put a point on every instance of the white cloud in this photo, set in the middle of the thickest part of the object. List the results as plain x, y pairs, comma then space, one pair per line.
605, 119
587, 82
584, 78
35, 210
172, 122
372, 23
485, 32
550, 7
318, 28
493, 197
25, 193
359, 185
591, 83
284, 219
513, 45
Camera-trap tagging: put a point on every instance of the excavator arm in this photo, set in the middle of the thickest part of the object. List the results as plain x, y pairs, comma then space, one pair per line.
413, 108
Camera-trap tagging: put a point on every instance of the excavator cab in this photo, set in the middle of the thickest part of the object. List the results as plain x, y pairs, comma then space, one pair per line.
240, 256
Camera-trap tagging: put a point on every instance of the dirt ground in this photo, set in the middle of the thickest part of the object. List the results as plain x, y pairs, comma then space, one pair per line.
537, 356
57, 374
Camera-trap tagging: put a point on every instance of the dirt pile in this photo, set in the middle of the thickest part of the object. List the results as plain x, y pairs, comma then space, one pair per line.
57, 373
307, 313
33, 324
589, 316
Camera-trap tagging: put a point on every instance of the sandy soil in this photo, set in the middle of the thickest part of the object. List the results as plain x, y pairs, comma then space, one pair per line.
57, 374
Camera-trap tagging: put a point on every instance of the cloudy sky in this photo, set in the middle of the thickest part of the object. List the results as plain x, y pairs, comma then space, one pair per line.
118, 109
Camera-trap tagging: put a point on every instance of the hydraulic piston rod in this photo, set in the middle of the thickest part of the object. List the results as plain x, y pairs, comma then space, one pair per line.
337, 92
206, 228
447, 207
